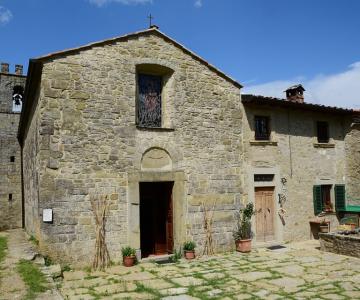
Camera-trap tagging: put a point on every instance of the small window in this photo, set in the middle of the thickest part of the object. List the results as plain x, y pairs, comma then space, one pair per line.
10, 197
12, 158
322, 132
149, 100
322, 199
262, 128
326, 198
18, 95
263, 177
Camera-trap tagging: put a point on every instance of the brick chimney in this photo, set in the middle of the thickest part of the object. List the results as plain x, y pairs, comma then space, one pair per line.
295, 93
4, 68
18, 69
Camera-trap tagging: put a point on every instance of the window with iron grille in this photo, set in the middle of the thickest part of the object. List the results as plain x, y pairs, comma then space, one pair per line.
263, 177
322, 132
262, 128
149, 101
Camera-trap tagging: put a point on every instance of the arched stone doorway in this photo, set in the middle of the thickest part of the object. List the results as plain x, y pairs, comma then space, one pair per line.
156, 205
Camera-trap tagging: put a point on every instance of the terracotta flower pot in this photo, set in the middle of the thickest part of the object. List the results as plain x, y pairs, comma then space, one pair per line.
243, 245
129, 261
189, 254
324, 229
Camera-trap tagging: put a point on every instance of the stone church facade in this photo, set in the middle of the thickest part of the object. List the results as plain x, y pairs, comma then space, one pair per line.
162, 132
80, 137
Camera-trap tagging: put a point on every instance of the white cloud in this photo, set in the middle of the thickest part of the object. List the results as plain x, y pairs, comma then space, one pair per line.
341, 89
5, 15
198, 3
125, 2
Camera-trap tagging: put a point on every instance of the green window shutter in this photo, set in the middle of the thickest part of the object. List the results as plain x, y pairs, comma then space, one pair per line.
340, 204
318, 205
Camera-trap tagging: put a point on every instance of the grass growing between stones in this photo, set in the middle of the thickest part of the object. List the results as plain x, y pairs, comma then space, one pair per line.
35, 280
3, 247
140, 288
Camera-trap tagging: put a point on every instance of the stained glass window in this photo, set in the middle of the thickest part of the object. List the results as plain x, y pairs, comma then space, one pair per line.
149, 102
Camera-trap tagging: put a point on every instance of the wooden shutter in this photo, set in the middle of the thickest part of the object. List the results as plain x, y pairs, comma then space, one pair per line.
340, 203
318, 205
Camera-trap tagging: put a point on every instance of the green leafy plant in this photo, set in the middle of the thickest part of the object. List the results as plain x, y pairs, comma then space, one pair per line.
65, 268
128, 251
189, 246
48, 261
242, 230
34, 240
176, 256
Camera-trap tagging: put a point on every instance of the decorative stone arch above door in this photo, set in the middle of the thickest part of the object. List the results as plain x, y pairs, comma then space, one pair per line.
156, 159
146, 154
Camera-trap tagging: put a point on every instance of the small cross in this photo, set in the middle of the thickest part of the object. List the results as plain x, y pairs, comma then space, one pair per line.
150, 17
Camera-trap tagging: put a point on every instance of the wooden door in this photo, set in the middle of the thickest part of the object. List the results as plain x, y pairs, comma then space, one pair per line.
264, 204
169, 226
159, 221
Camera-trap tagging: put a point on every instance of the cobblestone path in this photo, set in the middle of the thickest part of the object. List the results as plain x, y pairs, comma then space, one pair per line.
11, 284
298, 272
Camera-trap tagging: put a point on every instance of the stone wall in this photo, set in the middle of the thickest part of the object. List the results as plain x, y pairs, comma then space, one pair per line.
297, 161
10, 157
340, 244
353, 165
90, 143
31, 153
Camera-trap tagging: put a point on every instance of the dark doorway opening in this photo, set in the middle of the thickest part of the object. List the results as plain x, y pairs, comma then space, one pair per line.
156, 218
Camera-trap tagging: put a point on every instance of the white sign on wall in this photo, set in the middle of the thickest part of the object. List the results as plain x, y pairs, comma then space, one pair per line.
47, 215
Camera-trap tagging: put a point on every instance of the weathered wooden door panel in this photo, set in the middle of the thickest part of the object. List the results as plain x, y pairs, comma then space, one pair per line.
169, 226
156, 218
264, 218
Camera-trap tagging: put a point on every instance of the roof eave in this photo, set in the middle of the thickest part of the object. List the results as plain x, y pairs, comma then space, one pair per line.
32, 81
134, 34
269, 101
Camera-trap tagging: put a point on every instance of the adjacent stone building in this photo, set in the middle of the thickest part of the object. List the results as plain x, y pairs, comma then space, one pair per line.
11, 92
163, 133
301, 160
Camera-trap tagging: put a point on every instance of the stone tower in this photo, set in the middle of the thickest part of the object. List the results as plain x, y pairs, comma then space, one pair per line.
12, 87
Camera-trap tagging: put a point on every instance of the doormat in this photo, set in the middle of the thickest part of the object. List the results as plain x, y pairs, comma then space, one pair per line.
164, 261
276, 247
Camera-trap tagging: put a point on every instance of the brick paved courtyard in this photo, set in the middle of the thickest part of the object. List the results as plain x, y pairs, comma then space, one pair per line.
299, 271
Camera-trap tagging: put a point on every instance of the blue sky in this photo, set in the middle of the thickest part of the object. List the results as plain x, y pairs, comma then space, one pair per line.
264, 44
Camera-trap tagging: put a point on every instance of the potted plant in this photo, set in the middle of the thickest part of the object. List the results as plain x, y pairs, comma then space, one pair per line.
324, 226
189, 250
128, 255
242, 233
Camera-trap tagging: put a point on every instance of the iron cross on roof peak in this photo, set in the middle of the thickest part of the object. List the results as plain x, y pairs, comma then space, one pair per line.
150, 17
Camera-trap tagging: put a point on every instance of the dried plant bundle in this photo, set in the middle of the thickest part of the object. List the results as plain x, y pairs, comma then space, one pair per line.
207, 223
100, 206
